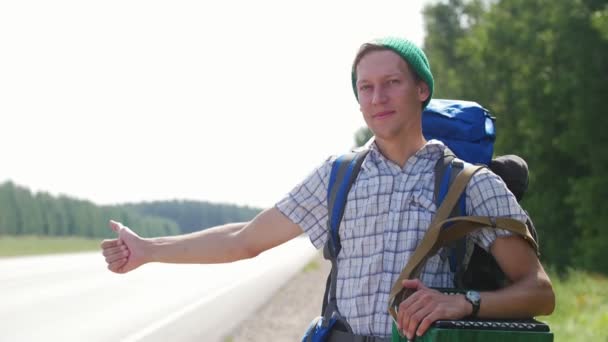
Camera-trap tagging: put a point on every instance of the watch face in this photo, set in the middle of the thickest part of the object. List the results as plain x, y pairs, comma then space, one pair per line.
473, 296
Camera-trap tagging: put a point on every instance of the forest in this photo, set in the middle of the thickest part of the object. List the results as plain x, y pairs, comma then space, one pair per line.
541, 68
25, 213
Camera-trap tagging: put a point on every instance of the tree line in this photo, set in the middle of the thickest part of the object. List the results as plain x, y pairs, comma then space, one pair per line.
192, 216
541, 68
25, 213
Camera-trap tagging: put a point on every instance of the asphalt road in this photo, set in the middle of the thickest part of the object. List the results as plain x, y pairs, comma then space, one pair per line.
75, 298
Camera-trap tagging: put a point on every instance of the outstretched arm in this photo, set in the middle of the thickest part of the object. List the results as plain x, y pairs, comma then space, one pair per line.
219, 244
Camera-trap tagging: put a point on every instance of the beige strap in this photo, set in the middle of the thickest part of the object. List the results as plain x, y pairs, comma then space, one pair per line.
418, 258
436, 236
456, 189
463, 225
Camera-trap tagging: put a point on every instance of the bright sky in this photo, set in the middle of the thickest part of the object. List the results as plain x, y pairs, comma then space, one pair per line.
224, 101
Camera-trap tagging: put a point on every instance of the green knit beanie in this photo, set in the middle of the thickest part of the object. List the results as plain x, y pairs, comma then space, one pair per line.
412, 54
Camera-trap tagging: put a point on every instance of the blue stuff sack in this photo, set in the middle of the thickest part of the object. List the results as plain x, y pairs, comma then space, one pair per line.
319, 328
464, 126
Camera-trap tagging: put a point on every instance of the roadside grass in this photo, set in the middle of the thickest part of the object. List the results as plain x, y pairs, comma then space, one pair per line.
11, 246
311, 266
581, 312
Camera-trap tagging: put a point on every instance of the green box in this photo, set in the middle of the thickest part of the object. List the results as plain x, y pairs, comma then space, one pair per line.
482, 331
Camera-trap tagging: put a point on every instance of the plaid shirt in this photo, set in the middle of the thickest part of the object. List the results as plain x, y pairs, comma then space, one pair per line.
387, 213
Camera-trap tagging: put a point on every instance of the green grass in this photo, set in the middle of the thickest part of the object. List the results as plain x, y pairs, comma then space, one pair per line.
33, 245
311, 266
581, 312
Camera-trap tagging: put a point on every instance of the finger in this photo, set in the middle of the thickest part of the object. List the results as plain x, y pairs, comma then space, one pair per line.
414, 284
419, 288
400, 313
117, 265
108, 243
117, 256
426, 322
409, 301
406, 309
415, 320
113, 250
402, 309
404, 322
115, 226
416, 307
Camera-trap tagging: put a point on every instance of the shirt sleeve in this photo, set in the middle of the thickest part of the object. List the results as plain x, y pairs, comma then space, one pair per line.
306, 204
488, 195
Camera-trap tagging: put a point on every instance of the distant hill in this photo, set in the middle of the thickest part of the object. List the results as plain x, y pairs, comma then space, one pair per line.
23, 212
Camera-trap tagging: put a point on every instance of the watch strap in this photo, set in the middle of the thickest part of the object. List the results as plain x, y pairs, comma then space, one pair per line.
474, 303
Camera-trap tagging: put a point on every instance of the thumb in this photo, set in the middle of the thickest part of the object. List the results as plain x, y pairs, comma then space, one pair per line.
115, 226
414, 284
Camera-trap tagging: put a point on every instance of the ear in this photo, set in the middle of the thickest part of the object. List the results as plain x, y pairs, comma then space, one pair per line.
423, 91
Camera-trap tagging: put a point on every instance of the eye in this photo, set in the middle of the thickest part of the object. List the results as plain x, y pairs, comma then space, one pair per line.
365, 87
394, 81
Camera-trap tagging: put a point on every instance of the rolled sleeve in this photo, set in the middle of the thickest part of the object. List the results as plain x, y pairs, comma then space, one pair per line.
306, 204
488, 195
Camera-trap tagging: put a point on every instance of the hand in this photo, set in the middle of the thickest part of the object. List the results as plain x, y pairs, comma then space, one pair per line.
124, 253
425, 306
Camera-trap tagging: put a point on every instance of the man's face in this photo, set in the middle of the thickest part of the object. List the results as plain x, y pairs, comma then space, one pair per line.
389, 96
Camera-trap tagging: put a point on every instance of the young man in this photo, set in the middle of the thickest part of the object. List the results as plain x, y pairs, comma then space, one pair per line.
388, 210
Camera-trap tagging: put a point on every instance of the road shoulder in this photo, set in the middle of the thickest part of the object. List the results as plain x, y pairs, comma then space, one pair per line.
287, 315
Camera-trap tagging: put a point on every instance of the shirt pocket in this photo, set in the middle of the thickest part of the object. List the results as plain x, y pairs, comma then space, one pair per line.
424, 199
420, 209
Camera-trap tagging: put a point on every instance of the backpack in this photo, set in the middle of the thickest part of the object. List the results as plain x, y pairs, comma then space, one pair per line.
468, 130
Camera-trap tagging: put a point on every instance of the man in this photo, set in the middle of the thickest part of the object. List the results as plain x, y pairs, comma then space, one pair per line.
388, 210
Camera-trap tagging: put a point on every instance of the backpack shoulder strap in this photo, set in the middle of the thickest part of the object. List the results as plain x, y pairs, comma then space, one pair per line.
344, 171
446, 170
430, 242
444, 230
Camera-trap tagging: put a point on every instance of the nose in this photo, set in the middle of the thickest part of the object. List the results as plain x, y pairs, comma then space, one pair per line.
379, 95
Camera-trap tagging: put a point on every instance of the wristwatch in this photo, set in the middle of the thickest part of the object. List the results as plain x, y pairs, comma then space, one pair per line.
474, 298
